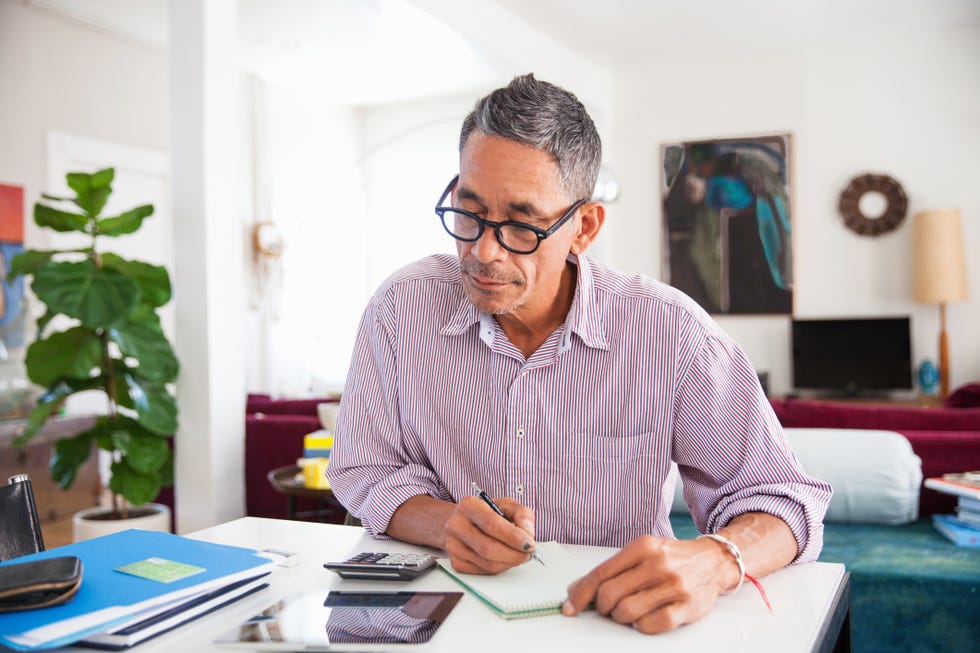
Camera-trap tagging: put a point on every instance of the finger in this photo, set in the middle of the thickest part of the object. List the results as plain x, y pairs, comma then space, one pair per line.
498, 529
642, 580
519, 514
583, 591
634, 606
485, 533
665, 618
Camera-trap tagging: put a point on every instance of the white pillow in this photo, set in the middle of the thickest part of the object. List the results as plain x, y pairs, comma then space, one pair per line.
875, 474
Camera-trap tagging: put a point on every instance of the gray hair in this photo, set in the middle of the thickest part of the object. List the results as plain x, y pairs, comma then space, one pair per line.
545, 117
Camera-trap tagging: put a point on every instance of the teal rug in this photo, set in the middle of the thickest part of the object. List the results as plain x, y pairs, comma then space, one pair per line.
912, 590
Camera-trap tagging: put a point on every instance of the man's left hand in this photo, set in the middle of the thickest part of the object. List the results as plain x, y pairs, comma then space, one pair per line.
656, 584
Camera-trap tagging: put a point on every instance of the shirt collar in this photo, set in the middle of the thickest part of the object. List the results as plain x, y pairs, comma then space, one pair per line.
584, 317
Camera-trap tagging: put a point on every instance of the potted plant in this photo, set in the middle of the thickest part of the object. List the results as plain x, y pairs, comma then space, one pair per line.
112, 342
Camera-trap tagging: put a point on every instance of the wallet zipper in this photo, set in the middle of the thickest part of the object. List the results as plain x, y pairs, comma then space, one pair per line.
41, 587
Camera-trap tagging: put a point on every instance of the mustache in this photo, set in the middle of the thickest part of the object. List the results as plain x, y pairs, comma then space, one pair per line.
473, 267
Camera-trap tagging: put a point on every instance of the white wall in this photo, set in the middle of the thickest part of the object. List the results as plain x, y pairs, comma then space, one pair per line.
909, 108
55, 74
311, 189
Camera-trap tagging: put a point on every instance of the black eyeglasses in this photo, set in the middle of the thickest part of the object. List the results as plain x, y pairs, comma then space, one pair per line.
516, 237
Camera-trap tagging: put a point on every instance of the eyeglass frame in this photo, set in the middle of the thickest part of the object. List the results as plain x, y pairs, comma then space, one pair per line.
496, 226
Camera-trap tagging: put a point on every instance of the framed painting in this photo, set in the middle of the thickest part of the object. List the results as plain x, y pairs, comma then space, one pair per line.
727, 228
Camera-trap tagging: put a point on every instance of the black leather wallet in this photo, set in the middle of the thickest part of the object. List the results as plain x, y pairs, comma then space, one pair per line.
39, 583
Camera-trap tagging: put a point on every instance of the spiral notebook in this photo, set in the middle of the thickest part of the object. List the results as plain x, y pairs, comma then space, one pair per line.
530, 590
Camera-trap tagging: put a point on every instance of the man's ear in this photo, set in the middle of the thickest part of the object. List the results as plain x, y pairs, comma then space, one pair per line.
593, 216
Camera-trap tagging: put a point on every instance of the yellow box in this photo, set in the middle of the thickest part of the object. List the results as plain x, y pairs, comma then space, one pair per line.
318, 440
315, 473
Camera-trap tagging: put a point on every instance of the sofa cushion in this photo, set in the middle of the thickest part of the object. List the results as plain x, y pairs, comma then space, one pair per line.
875, 474
965, 396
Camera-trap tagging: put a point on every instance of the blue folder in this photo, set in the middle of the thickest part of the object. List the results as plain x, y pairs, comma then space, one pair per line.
103, 587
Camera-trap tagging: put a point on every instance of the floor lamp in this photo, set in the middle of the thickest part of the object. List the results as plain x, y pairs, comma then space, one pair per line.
940, 272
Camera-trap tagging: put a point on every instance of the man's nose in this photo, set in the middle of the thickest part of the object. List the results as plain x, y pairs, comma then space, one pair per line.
487, 247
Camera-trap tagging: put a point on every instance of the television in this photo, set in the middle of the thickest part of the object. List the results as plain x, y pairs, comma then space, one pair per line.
852, 356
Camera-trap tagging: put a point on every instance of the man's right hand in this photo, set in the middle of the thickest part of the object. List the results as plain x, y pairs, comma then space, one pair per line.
479, 541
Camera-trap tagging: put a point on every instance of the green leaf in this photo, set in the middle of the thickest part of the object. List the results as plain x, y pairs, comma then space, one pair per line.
98, 297
155, 407
47, 405
153, 280
146, 452
46, 216
56, 198
125, 223
69, 455
44, 320
167, 470
92, 190
28, 261
73, 353
146, 342
136, 487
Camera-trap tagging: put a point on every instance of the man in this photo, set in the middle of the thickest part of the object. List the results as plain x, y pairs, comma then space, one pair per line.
565, 388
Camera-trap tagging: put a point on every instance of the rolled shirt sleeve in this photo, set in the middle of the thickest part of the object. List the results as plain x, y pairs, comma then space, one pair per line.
732, 453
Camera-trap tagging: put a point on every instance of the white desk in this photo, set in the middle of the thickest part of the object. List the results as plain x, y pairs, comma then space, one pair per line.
810, 602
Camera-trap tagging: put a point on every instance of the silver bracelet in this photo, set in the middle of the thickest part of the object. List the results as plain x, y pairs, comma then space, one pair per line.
731, 548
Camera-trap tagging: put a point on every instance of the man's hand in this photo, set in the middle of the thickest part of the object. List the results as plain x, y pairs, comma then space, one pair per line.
479, 541
656, 584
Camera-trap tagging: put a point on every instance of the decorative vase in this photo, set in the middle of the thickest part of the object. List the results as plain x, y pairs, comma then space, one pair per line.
96, 522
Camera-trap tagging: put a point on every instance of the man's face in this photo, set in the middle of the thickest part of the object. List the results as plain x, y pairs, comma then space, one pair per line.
503, 180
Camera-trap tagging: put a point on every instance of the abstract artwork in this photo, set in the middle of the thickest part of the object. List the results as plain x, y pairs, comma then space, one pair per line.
12, 313
726, 223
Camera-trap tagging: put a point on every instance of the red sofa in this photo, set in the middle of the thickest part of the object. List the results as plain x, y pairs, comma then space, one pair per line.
946, 439
274, 430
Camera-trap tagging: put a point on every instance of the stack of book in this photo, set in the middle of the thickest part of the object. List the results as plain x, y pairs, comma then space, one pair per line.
963, 527
135, 585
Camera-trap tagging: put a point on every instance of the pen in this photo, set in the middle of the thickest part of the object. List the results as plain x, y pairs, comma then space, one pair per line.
496, 509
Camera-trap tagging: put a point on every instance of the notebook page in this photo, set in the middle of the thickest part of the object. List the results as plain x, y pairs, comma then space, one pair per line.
531, 589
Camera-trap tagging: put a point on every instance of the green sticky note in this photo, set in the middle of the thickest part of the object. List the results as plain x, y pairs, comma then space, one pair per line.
160, 569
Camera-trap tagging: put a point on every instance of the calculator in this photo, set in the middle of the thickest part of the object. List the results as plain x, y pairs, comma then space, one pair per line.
383, 566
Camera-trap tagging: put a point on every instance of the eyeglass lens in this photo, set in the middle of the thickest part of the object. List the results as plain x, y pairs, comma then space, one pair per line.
466, 227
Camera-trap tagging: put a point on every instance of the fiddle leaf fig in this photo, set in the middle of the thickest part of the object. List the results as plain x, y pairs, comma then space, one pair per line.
125, 223
98, 297
136, 486
145, 342
73, 353
153, 280
46, 216
91, 190
114, 343
69, 455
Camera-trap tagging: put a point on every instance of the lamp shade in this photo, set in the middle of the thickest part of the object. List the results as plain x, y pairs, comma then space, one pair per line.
940, 266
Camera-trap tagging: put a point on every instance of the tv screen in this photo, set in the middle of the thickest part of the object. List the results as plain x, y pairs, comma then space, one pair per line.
851, 356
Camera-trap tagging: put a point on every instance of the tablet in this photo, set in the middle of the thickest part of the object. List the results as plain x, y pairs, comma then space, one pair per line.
325, 620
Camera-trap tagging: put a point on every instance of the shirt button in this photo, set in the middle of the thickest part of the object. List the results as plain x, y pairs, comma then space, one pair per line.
519, 489
520, 432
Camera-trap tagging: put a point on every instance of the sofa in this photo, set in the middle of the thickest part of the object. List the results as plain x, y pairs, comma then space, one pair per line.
946, 439
274, 432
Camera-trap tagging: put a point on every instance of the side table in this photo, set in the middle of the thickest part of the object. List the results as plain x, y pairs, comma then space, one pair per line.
289, 481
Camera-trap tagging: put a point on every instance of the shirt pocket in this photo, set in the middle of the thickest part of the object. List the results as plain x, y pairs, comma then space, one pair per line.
609, 486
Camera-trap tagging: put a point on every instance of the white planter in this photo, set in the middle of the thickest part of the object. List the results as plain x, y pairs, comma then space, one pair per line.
85, 528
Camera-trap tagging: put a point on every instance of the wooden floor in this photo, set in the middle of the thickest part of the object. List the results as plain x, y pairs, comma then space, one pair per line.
56, 532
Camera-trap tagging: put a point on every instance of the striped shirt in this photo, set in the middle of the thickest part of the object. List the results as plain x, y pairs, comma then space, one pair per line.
584, 432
